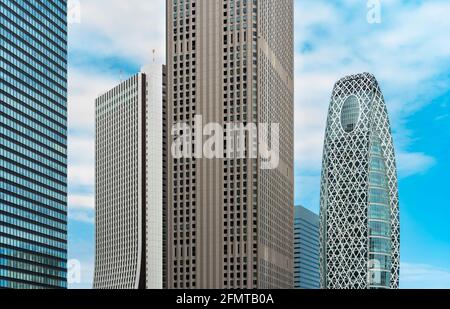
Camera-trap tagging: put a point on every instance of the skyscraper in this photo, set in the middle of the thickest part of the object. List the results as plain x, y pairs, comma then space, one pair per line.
230, 222
33, 144
165, 149
129, 183
306, 249
360, 228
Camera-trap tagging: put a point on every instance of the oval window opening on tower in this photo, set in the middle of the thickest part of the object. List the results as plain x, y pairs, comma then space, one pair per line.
350, 114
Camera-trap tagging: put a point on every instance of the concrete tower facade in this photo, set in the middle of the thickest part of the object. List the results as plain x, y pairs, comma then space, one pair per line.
230, 223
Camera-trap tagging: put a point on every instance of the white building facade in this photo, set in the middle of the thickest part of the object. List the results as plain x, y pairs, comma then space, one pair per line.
129, 221
359, 220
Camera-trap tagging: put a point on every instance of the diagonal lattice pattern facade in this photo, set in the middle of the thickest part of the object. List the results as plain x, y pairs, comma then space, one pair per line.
360, 226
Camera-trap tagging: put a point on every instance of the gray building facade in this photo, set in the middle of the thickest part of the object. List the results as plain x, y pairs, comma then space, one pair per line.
230, 223
306, 249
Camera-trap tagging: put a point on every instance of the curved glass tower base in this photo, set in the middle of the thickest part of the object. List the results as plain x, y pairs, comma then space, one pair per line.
379, 218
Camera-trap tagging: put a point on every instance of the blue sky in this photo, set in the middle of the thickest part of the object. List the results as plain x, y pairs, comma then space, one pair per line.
408, 52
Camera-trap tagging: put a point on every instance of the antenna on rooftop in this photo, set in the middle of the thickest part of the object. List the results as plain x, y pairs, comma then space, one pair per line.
154, 55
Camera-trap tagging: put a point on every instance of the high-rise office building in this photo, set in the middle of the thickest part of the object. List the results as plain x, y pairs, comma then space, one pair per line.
33, 144
129, 183
306, 249
165, 170
230, 222
360, 241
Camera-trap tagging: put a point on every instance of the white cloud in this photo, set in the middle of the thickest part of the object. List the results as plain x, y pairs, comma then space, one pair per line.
81, 208
81, 175
406, 53
310, 118
127, 30
131, 28
82, 216
413, 163
81, 205
442, 117
81, 149
84, 88
420, 276
77, 201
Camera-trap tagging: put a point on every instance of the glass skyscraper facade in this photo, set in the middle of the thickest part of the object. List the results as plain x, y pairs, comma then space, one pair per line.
33, 144
306, 249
